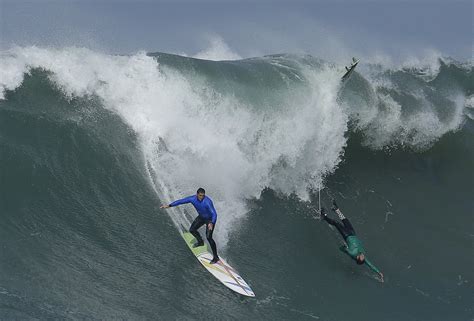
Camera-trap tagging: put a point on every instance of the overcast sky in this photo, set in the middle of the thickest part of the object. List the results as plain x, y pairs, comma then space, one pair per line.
329, 29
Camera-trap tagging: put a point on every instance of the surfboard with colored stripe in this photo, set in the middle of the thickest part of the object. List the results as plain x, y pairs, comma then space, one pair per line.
221, 270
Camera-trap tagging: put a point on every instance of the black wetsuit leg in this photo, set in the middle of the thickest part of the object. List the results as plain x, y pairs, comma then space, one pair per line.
197, 223
211, 241
345, 228
348, 226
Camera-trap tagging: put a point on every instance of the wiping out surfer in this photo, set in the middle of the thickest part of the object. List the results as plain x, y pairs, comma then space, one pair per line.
353, 246
207, 215
350, 69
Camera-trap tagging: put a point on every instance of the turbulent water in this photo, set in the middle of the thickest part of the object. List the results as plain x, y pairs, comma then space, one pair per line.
92, 144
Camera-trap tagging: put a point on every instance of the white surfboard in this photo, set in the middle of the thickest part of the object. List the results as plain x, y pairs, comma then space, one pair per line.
221, 270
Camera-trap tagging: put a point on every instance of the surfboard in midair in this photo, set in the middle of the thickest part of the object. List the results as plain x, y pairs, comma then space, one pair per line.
221, 270
350, 69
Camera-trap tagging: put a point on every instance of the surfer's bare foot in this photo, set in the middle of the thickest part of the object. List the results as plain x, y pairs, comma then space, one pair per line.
215, 260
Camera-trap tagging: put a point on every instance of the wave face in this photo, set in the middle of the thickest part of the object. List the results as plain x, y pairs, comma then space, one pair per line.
91, 144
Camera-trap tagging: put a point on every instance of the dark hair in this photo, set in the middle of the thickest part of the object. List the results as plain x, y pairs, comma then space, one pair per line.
360, 261
201, 191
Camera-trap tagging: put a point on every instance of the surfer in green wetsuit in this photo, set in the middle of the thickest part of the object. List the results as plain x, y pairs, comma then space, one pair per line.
353, 246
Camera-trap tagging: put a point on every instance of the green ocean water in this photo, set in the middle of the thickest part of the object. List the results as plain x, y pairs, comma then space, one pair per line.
82, 236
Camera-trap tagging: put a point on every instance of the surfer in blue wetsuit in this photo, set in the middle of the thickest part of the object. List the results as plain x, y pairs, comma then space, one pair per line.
353, 246
207, 215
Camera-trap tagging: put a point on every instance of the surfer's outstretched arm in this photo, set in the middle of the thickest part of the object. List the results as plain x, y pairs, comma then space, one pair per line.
373, 268
182, 201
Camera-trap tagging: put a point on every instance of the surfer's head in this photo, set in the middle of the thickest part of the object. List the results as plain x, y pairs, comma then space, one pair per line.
200, 193
360, 259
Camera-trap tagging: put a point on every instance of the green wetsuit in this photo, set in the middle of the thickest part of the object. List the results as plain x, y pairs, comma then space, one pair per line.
353, 248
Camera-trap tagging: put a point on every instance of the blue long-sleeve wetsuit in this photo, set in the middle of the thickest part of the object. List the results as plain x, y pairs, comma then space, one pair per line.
205, 208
